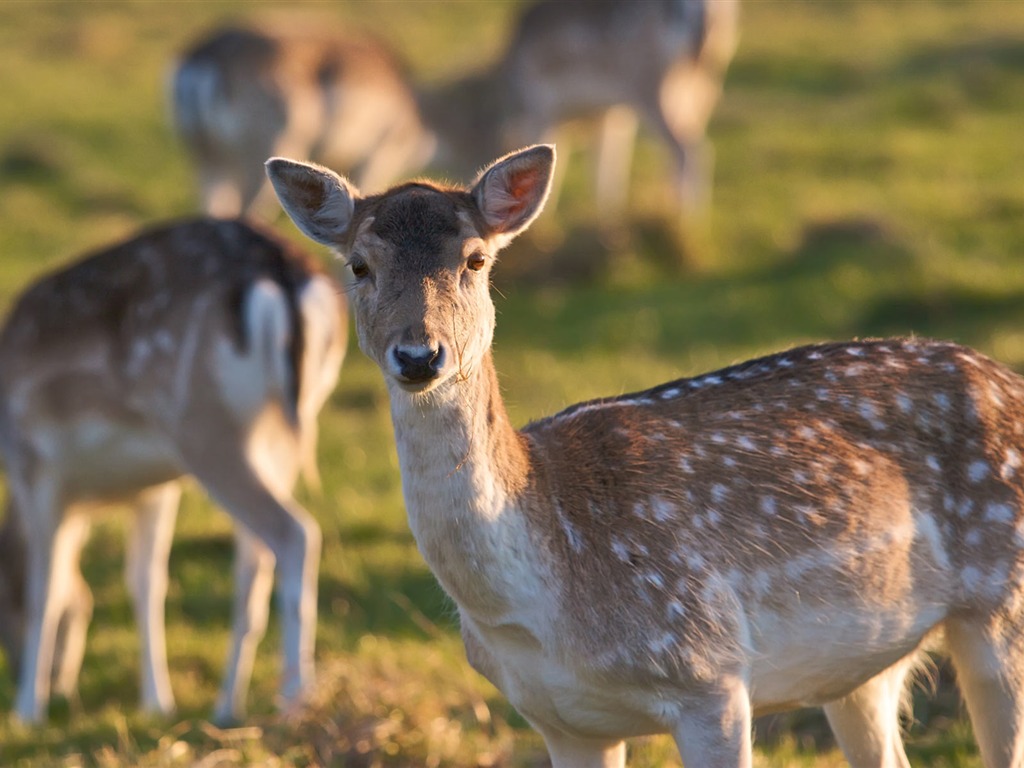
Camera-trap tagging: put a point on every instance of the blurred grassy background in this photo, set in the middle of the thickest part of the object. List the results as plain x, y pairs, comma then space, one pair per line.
868, 181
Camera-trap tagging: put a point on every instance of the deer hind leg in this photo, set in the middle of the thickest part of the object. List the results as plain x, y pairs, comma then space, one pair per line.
866, 723
240, 481
146, 573
687, 96
54, 542
572, 752
989, 660
69, 646
254, 579
614, 159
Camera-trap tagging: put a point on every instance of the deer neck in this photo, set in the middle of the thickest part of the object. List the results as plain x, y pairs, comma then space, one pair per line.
465, 472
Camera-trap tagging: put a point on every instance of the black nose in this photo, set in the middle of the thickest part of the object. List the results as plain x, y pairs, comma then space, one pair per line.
419, 363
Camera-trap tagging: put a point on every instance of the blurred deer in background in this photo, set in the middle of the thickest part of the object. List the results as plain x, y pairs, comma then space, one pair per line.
201, 348
241, 95
662, 61
788, 531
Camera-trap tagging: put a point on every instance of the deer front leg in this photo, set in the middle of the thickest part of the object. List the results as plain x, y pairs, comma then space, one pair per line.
713, 729
146, 572
254, 579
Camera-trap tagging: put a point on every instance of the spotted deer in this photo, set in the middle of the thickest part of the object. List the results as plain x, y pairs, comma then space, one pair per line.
202, 348
610, 64
573, 58
242, 94
784, 532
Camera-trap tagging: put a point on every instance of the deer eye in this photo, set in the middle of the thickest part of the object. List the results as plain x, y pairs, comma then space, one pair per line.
359, 269
476, 261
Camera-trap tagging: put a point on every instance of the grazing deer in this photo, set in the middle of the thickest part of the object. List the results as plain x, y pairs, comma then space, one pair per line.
785, 532
241, 95
201, 348
662, 61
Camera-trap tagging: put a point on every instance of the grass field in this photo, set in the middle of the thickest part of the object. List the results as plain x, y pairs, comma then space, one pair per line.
868, 181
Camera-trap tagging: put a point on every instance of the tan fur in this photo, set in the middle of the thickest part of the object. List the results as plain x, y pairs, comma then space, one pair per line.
194, 348
790, 531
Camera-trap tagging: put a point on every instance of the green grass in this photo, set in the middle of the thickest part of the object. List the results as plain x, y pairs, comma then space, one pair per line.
867, 182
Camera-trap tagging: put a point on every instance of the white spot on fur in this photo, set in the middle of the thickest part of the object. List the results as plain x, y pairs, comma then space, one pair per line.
669, 394
746, 443
977, 471
675, 610
768, 505
932, 462
654, 578
904, 403
620, 550
996, 512
662, 509
1010, 464
661, 643
869, 412
719, 493
855, 351
942, 400
696, 561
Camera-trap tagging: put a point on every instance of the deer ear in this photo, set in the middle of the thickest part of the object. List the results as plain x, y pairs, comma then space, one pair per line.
511, 191
318, 200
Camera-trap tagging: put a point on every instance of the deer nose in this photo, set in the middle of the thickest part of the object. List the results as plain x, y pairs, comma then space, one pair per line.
419, 363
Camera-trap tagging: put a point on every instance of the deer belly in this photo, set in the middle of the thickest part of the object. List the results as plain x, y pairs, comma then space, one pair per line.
817, 656
101, 460
550, 693
554, 694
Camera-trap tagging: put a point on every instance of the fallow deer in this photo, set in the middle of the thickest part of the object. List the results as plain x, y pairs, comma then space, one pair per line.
784, 532
242, 94
662, 61
201, 348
